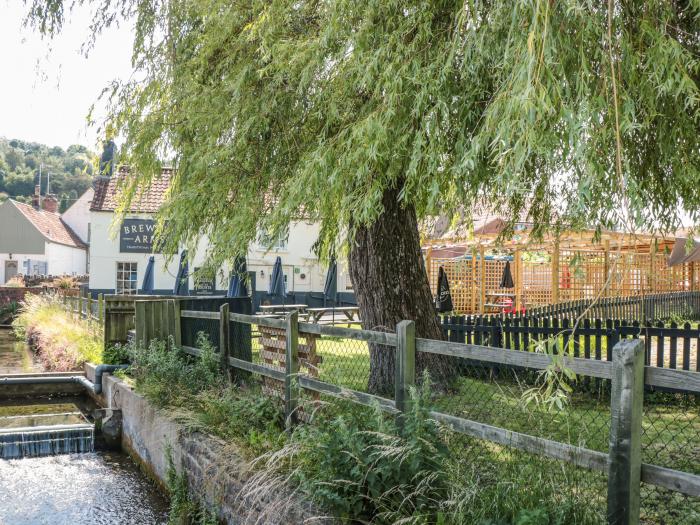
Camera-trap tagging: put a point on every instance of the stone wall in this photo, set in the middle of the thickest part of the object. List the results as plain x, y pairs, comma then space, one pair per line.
215, 469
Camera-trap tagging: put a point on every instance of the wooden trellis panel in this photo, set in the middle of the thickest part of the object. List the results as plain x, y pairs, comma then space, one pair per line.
579, 274
273, 342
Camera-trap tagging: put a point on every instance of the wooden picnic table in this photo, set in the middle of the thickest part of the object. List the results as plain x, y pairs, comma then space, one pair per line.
265, 308
350, 312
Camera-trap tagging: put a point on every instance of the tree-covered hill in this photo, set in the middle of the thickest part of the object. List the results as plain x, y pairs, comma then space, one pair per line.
69, 171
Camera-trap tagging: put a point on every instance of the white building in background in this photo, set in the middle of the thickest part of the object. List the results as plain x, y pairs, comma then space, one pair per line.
35, 240
77, 217
119, 253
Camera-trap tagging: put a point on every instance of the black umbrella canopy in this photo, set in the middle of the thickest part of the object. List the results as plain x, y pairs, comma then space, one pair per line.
147, 285
277, 287
443, 301
507, 277
330, 290
238, 285
182, 281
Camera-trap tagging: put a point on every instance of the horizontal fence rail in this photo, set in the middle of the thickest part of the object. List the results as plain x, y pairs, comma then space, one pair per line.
667, 345
287, 369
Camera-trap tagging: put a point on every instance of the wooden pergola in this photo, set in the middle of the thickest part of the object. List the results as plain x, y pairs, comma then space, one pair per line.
555, 268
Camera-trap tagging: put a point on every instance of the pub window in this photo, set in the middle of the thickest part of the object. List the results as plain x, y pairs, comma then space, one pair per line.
126, 278
273, 242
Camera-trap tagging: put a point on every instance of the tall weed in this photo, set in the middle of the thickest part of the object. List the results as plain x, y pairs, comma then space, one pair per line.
168, 376
61, 341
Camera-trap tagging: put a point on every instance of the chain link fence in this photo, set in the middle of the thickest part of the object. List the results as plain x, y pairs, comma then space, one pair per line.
517, 399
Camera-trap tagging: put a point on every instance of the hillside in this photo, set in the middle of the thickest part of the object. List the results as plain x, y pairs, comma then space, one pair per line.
70, 170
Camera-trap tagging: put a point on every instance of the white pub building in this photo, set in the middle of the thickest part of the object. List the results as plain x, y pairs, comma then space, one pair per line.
119, 253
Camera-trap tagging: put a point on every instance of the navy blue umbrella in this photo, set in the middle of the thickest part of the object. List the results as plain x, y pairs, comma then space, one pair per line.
277, 286
182, 281
330, 290
237, 284
147, 284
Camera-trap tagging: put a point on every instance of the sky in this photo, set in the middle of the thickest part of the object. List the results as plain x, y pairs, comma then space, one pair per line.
48, 86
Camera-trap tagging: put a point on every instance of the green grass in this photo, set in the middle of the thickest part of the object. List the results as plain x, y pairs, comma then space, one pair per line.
62, 341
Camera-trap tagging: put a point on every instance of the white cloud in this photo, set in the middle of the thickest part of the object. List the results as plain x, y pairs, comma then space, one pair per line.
48, 86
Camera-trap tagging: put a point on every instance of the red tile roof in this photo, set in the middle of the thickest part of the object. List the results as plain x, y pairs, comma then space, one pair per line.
50, 225
149, 200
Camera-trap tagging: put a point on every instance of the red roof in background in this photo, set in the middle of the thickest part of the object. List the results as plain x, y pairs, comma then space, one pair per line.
50, 225
147, 201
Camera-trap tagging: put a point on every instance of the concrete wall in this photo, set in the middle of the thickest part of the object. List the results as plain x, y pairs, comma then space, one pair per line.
78, 215
147, 434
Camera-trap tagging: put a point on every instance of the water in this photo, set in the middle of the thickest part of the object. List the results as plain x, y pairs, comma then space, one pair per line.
93, 488
15, 355
34, 430
63, 487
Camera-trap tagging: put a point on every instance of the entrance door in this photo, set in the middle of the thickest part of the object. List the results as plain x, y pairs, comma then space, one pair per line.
10, 270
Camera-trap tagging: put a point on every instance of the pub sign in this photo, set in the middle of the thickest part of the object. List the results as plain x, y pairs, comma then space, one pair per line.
203, 285
136, 236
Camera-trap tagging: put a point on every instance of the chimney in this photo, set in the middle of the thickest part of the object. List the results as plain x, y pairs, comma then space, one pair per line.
107, 158
50, 203
36, 198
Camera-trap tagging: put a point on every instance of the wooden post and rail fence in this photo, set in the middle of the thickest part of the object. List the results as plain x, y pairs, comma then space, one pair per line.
626, 372
166, 318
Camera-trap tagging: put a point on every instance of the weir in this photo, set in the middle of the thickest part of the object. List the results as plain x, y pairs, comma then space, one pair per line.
25, 442
33, 425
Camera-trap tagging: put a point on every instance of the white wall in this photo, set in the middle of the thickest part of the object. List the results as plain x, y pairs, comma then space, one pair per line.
78, 215
65, 260
297, 260
20, 258
104, 256
60, 259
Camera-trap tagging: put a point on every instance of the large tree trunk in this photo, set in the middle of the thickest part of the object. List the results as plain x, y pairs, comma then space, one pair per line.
390, 282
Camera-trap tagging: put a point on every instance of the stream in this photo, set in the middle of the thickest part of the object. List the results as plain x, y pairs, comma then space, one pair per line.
97, 488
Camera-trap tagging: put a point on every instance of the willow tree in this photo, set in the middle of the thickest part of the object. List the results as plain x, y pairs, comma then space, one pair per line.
369, 115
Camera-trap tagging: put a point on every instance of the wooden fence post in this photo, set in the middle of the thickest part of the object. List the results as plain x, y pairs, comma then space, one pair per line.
405, 375
177, 335
224, 340
555, 272
482, 281
291, 380
100, 308
625, 455
518, 259
140, 324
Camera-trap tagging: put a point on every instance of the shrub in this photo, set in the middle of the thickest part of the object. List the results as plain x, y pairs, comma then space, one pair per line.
65, 283
253, 420
15, 282
116, 354
167, 375
368, 469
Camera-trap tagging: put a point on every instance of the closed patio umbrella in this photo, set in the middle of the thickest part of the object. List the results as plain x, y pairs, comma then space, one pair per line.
237, 285
147, 284
507, 277
330, 290
277, 286
182, 285
443, 301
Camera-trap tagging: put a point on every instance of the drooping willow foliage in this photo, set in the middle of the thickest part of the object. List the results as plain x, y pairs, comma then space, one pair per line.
576, 112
